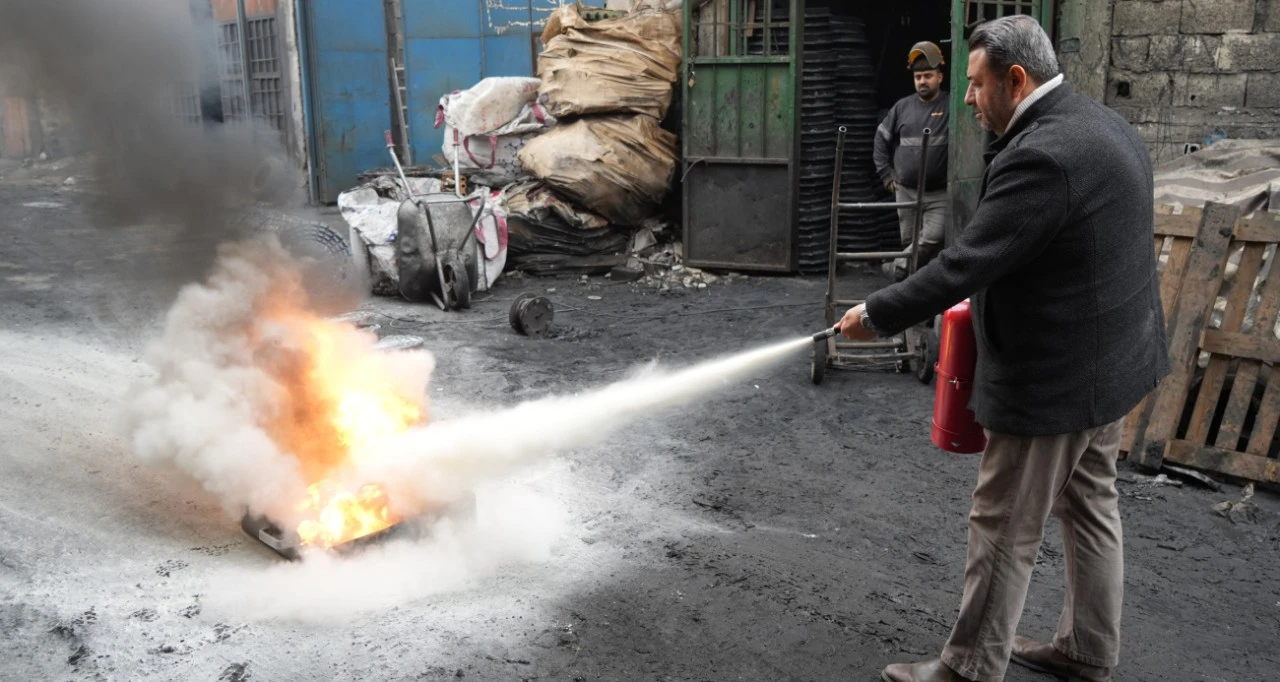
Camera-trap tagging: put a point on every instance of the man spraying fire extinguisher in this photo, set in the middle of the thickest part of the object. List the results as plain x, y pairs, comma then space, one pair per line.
1069, 333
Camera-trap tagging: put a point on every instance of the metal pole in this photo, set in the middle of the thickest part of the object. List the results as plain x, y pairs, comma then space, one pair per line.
405, 148
302, 19
242, 31
534, 38
918, 227
833, 238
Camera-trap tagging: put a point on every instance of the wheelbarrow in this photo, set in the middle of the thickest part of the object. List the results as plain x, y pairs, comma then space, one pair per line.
435, 252
435, 248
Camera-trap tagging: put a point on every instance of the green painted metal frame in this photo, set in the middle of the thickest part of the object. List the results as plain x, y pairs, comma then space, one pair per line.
705, 143
968, 140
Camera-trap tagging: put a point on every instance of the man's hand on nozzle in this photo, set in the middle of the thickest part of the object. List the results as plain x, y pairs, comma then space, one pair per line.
851, 325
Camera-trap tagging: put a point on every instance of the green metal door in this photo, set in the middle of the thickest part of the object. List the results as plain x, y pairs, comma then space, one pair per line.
968, 139
740, 133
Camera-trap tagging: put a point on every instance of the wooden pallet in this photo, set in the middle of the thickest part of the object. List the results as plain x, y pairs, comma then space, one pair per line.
1234, 407
1175, 233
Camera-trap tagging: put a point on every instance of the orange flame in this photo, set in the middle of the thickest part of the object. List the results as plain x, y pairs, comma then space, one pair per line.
341, 404
341, 516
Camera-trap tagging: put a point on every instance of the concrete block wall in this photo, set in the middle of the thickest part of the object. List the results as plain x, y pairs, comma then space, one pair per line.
1180, 70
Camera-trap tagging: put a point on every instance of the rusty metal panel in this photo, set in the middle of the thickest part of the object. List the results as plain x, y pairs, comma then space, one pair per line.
749, 206
452, 44
740, 126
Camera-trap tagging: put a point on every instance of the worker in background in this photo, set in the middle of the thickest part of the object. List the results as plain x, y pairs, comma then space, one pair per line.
897, 155
1070, 334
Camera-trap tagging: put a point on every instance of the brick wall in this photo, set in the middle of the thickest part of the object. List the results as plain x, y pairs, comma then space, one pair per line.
1182, 69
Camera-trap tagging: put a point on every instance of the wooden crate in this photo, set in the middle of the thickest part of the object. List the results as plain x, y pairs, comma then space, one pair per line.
1234, 405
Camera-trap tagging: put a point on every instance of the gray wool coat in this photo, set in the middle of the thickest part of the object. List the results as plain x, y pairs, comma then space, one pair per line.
1059, 264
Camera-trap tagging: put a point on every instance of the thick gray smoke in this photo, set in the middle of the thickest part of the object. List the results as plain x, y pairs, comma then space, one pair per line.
116, 68
219, 403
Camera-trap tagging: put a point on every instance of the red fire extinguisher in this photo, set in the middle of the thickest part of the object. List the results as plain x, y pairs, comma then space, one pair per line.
954, 427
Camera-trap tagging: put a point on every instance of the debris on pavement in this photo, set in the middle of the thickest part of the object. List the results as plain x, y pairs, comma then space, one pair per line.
1192, 475
1143, 487
399, 342
1242, 509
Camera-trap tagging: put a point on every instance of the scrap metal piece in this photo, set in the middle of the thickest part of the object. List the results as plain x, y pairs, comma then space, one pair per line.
399, 342
362, 319
1193, 475
531, 315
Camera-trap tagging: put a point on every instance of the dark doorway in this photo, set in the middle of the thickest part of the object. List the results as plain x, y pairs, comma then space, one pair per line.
892, 28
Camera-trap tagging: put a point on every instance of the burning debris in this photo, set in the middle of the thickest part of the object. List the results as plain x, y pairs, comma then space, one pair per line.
348, 523
274, 408
317, 436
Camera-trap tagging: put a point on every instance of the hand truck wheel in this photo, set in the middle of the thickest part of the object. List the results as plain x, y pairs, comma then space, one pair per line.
926, 356
818, 363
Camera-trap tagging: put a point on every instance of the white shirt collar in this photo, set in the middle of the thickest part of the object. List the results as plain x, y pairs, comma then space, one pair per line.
1034, 97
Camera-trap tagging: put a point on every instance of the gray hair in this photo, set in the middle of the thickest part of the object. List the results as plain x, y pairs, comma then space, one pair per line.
1017, 39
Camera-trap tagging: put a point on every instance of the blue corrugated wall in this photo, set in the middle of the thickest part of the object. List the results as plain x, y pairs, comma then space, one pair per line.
350, 96
451, 44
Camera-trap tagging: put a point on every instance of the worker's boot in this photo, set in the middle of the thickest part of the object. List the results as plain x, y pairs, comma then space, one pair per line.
925, 671
1043, 658
895, 271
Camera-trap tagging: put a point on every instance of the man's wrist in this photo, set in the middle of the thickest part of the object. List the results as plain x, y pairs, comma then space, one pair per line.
865, 321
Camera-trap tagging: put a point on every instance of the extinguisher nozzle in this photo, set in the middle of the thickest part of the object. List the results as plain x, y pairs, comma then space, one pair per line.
825, 334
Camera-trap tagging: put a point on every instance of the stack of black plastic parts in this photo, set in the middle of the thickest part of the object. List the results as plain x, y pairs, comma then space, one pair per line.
856, 110
817, 139
837, 88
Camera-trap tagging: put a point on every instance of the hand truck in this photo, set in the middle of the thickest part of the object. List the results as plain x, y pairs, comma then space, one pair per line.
917, 347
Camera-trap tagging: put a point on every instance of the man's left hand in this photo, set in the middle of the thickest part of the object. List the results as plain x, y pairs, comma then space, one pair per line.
851, 325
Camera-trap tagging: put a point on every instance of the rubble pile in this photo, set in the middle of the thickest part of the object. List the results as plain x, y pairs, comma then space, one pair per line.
679, 277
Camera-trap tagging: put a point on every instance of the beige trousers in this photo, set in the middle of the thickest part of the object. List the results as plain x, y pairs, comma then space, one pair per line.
1021, 480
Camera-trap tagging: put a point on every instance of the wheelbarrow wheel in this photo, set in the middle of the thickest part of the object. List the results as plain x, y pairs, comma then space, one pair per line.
457, 284
818, 363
